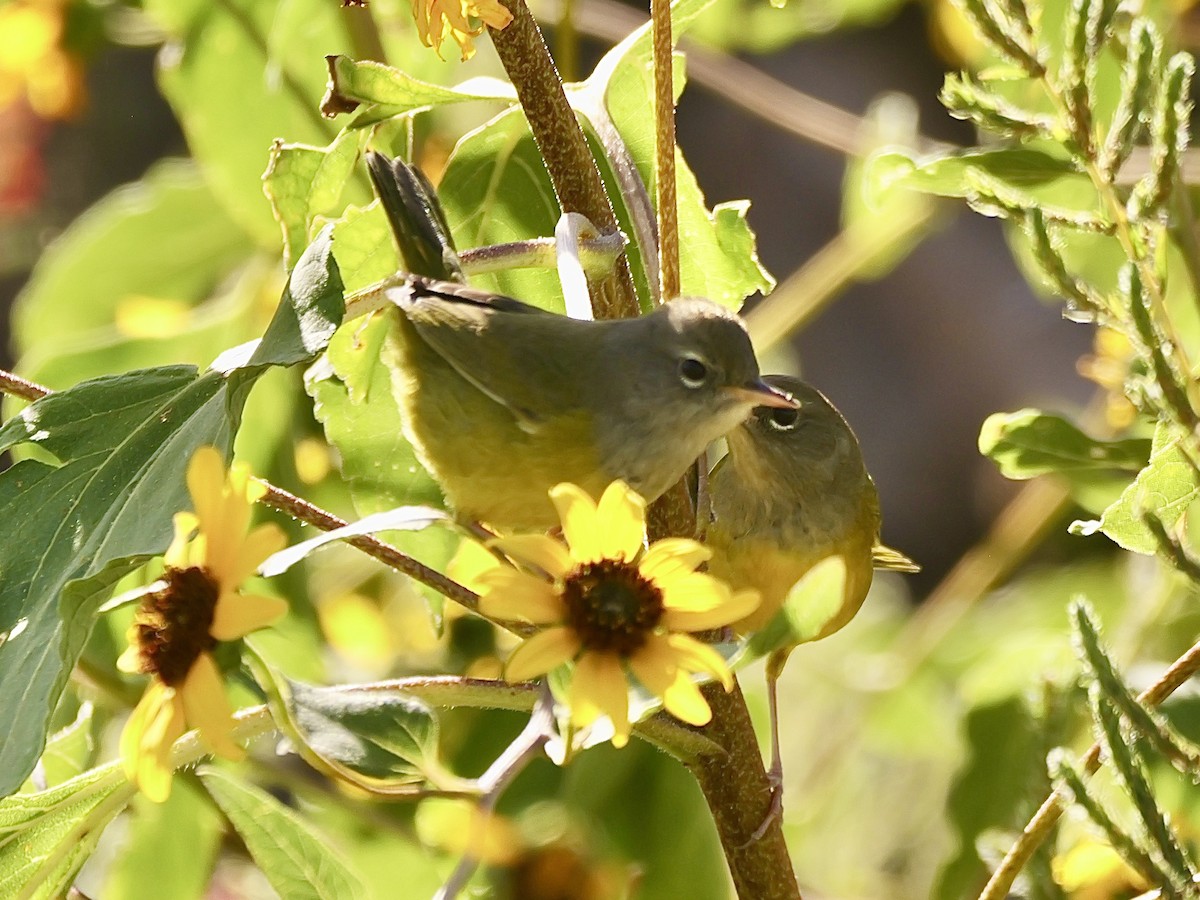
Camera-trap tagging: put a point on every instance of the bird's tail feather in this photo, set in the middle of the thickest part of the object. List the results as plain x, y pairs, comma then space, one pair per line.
416, 217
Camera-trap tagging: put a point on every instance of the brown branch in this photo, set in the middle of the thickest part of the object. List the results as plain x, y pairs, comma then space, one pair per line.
738, 793
563, 147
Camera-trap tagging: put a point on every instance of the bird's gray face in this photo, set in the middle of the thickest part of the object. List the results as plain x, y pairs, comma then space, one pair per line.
713, 367
812, 439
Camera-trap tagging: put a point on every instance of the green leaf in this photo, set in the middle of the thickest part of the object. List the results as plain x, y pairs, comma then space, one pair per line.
67, 533
46, 837
353, 401
381, 734
298, 861
811, 603
1029, 443
496, 190
239, 75
991, 790
177, 840
99, 266
1032, 177
303, 182
69, 752
1165, 488
309, 312
364, 247
353, 82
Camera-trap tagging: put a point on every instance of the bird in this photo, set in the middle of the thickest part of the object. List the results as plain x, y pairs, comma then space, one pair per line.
503, 400
793, 490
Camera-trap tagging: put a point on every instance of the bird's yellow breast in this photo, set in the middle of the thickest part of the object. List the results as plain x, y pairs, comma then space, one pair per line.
773, 568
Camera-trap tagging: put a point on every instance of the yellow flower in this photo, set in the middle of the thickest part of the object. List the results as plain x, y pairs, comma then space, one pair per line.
612, 603
197, 605
440, 19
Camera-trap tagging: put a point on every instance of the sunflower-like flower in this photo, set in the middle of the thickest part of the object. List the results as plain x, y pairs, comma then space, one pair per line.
440, 19
195, 606
612, 604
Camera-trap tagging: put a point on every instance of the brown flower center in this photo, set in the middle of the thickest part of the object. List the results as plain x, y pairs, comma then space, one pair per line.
611, 606
174, 624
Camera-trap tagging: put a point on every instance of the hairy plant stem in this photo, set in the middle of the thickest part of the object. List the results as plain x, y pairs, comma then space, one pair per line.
664, 150
563, 147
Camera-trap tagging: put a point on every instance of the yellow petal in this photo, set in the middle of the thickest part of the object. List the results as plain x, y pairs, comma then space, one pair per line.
672, 558
541, 653
153, 727
206, 481
695, 656
654, 665
621, 522
250, 553
598, 687
700, 611
684, 701
131, 660
516, 596
537, 550
177, 554
236, 615
207, 708
577, 513
492, 12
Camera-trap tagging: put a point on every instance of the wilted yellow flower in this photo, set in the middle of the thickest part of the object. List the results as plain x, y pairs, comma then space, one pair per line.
198, 605
440, 19
611, 603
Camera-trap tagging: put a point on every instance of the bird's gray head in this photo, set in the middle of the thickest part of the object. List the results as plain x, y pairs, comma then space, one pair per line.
810, 443
707, 362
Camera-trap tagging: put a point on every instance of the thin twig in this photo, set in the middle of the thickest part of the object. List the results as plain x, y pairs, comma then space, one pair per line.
298, 508
11, 383
500, 774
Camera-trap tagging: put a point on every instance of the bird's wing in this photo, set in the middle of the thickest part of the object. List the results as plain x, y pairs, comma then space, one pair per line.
521, 356
892, 560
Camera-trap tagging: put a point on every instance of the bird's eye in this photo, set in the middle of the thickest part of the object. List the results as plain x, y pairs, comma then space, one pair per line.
783, 419
692, 372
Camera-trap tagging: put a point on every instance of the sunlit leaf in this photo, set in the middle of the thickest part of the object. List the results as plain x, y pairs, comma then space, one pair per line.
811, 603
304, 182
380, 733
1029, 443
1165, 488
298, 860
45, 837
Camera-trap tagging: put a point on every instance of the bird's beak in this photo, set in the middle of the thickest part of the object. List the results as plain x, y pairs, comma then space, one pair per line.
759, 393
